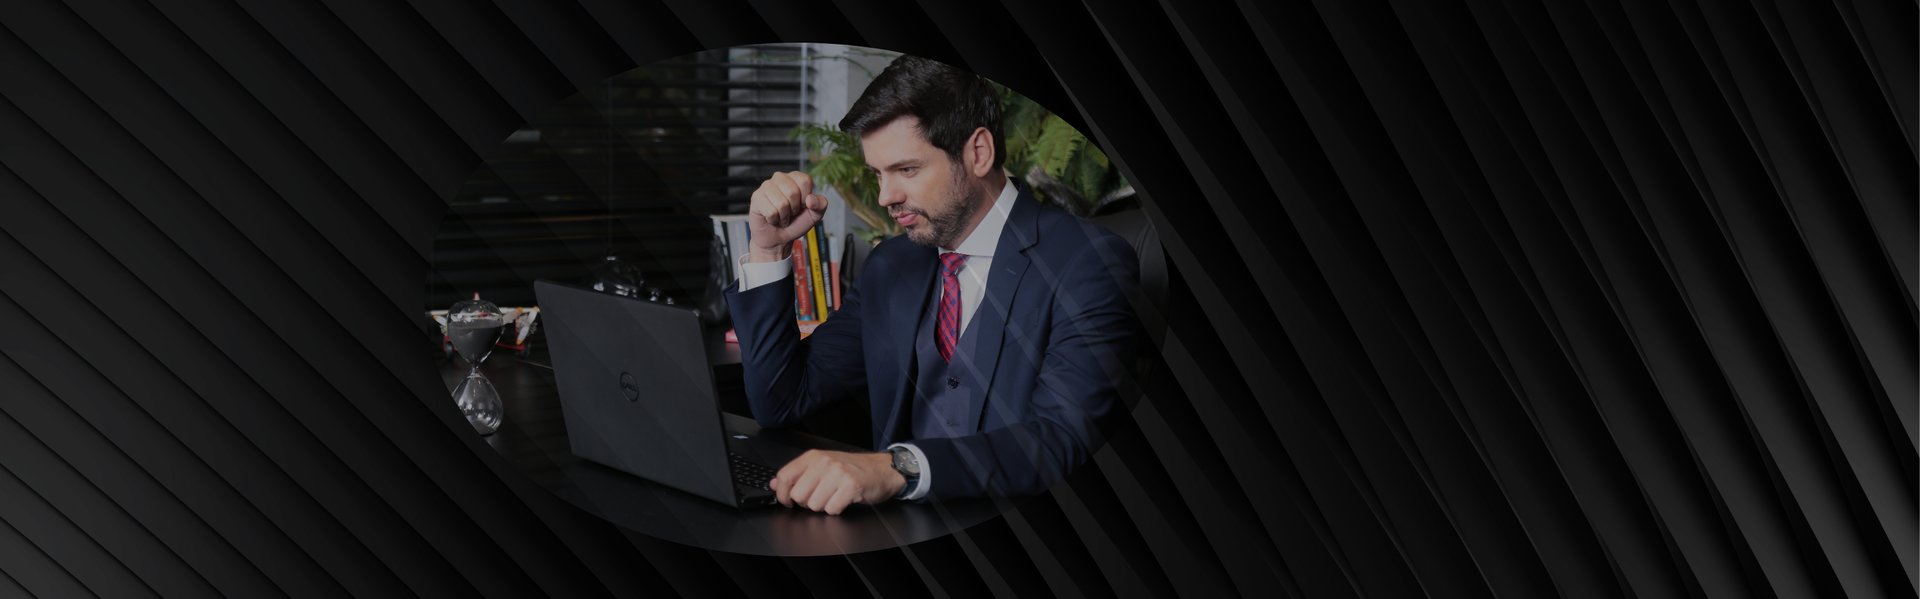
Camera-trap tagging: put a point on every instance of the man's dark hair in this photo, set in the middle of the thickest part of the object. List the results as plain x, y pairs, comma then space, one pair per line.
950, 104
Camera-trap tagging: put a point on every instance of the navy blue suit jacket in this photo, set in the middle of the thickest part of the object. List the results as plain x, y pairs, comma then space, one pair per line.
1055, 331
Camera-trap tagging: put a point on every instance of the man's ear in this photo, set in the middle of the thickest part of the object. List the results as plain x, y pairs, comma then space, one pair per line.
979, 152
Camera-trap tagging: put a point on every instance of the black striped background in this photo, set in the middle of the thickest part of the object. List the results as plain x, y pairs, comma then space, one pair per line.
1497, 297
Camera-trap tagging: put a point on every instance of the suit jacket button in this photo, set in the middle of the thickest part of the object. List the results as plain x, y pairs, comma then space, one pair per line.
953, 383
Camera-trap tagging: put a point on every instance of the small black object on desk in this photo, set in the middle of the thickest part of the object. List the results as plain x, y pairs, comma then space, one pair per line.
533, 437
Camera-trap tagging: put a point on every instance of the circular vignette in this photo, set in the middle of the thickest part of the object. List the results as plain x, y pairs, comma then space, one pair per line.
616, 189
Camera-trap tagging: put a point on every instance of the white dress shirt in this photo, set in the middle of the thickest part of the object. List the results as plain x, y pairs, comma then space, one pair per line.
978, 246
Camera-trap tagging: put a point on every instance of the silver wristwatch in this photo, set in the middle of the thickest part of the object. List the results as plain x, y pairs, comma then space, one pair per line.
908, 467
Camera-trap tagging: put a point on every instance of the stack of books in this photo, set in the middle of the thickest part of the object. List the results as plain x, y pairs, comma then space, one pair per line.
816, 267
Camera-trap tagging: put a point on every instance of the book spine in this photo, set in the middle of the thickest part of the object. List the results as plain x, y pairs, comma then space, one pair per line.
738, 236
835, 277
803, 295
835, 245
725, 247
816, 272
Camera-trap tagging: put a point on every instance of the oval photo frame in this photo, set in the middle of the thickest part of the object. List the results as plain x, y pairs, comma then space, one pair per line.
626, 199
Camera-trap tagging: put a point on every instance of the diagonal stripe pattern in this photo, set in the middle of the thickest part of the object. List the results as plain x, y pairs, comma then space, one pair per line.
1468, 297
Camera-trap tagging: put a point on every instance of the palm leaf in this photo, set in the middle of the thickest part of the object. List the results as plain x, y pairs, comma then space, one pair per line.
1057, 144
1084, 174
1020, 123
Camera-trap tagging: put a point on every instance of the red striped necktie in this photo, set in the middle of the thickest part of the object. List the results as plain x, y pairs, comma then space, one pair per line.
947, 334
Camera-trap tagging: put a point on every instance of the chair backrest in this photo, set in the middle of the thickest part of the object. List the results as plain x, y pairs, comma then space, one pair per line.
1134, 226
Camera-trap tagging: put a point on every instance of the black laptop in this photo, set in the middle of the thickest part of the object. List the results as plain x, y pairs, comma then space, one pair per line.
637, 393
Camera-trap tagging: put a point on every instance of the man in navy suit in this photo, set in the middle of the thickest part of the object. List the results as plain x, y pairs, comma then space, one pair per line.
989, 338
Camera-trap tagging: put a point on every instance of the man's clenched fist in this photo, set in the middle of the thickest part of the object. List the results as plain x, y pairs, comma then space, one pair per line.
782, 210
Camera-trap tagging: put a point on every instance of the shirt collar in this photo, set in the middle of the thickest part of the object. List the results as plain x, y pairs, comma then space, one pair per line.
986, 235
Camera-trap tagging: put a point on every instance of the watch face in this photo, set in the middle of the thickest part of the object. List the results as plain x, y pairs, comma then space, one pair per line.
904, 462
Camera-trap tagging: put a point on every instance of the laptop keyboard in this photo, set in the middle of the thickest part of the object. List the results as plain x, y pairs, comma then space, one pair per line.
750, 474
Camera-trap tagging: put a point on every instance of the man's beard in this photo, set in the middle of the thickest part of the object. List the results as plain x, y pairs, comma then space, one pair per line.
943, 230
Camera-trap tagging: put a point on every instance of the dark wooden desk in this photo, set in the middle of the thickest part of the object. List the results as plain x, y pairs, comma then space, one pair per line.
533, 436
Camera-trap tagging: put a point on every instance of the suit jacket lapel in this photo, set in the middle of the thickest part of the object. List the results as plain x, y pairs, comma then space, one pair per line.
989, 324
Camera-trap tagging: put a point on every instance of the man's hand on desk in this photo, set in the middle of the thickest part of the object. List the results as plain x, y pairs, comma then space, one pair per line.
829, 481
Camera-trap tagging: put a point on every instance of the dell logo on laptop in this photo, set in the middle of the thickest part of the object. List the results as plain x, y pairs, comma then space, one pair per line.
629, 387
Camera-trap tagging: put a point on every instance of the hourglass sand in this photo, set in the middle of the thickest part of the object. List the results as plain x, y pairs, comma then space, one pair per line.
474, 326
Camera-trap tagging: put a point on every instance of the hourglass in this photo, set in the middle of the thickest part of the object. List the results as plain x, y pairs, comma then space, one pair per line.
474, 326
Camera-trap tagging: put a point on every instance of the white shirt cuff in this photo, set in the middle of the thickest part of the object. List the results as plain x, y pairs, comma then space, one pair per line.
925, 483
755, 274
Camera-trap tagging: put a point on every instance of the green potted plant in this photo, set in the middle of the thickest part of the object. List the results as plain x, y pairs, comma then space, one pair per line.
1062, 166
